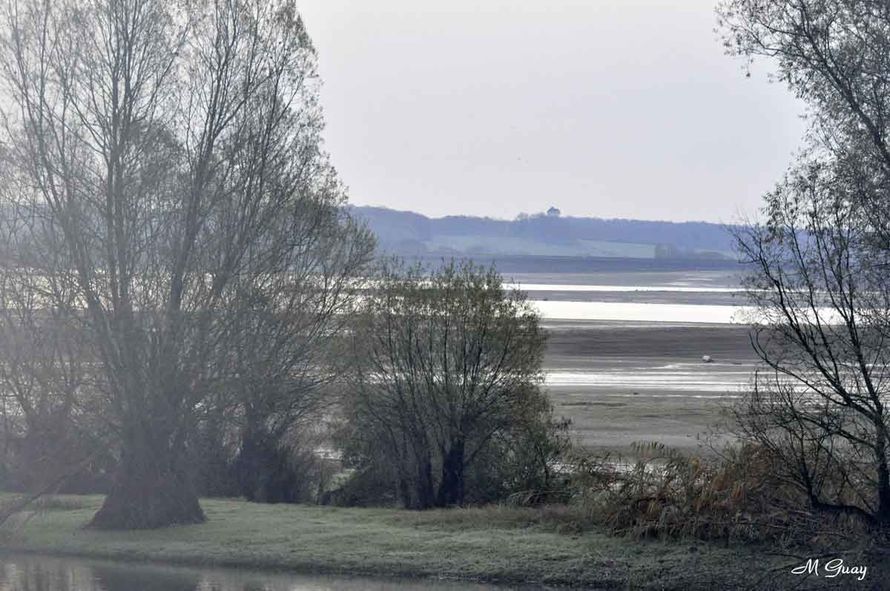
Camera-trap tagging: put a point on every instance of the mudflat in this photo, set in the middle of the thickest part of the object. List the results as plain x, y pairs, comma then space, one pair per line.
622, 383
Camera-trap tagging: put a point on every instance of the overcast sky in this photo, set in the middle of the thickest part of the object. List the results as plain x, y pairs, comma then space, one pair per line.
607, 108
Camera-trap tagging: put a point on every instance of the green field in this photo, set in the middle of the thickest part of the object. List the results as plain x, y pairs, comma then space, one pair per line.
496, 544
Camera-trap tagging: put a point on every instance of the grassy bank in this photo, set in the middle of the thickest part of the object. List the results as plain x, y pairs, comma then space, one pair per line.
507, 545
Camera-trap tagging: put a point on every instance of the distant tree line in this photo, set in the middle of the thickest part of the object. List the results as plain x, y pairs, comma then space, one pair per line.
406, 233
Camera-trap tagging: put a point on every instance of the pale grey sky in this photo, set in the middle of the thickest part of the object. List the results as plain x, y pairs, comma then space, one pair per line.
608, 108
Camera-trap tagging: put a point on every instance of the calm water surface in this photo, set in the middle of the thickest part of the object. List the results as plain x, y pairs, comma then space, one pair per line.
678, 297
42, 573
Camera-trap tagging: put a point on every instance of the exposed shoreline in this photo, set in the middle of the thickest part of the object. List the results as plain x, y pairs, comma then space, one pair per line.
622, 383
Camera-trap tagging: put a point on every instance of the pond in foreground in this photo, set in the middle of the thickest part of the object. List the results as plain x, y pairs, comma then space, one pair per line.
43, 573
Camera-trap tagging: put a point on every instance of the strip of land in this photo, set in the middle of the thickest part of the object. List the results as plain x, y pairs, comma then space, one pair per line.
532, 547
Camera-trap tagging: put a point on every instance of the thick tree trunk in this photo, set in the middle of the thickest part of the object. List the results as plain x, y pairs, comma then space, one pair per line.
265, 474
404, 492
249, 468
425, 497
152, 488
451, 488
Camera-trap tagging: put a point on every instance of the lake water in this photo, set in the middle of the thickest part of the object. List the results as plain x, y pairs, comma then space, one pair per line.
681, 297
686, 297
44, 573
669, 379
642, 312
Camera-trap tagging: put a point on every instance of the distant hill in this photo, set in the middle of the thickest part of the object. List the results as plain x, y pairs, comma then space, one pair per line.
545, 235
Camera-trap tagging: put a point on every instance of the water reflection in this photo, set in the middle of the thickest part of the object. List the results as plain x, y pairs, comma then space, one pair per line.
641, 312
42, 573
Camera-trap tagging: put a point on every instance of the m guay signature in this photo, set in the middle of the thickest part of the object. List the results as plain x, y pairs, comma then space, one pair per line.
830, 569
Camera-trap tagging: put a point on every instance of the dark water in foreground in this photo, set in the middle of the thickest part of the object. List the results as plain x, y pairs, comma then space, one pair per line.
42, 573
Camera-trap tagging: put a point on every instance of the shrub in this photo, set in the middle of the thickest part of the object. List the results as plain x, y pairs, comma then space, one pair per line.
732, 495
445, 402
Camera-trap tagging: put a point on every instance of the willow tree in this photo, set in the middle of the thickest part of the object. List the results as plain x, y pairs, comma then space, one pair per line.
162, 162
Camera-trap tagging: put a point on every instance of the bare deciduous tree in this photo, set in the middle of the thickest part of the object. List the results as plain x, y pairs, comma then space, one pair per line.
164, 163
819, 260
822, 333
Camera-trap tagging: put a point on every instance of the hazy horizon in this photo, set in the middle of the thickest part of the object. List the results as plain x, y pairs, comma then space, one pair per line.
614, 109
